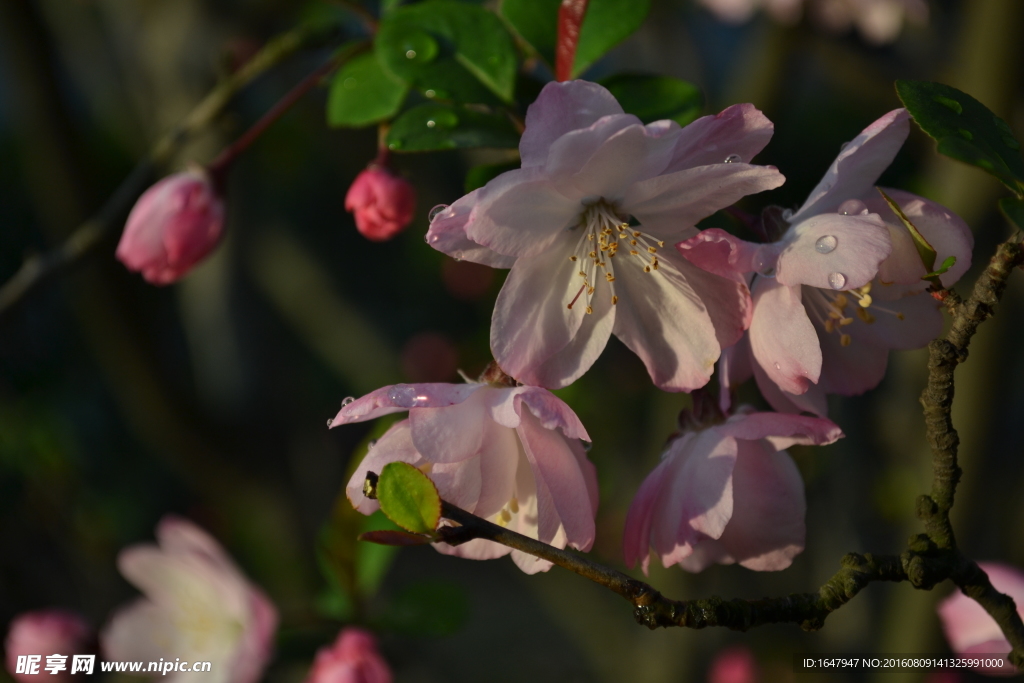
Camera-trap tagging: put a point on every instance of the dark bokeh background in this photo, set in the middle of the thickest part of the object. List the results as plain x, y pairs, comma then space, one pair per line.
121, 402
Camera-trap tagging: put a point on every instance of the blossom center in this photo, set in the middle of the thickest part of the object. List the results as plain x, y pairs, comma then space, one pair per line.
603, 233
829, 309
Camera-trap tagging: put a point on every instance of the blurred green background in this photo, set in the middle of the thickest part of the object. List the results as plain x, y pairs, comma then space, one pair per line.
121, 402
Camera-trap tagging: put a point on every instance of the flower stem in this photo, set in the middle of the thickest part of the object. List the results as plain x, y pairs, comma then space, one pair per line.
570, 19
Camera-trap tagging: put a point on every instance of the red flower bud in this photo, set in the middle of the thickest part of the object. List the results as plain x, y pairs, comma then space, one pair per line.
383, 203
353, 658
172, 227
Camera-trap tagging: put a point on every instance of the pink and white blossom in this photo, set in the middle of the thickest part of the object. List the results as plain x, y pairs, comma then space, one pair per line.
969, 628
197, 606
879, 21
728, 493
43, 633
352, 658
172, 227
843, 285
508, 454
582, 225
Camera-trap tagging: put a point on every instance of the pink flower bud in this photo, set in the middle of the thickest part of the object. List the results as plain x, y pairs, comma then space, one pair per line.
44, 633
383, 203
733, 665
353, 658
172, 227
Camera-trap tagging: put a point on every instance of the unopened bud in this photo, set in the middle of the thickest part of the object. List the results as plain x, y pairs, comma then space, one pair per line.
172, 227
383, 203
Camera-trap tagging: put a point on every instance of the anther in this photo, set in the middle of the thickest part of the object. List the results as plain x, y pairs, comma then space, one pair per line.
652, 250
609, 277
615, 300
590, 309
513, 505
830, 326
572, 258
845, 340
647, 269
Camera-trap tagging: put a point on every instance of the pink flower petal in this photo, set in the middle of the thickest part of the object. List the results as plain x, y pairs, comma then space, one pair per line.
352, 658
521, 213
782, 430
679, 345
633, 154
559, 109
944, 230
857, 245
851, 370
767, 528
477, 549
737, 131
735, 367
532, 321
447, 234
726, 299
640, 517
718, 252
554, 464
812, 401
395, 446
574, 150
667, 206
400, 397
858, 165
451, 433
569, 363
782, 339
552, 412
907, 323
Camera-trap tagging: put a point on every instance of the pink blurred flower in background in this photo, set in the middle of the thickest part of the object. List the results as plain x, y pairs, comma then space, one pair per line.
842, 287
172, 227
382, 201
879, 21
733, 665
352, 658
582, 225
197, 606
46, 632
969, 628
509, 454
726, 494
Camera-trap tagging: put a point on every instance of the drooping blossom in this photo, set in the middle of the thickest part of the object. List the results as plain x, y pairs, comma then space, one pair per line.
843, 284
879, 21
43, 633
582, 225
733, 665
508, 454
352, 658
727, 493
172, 227
969, 628
197, 606
383, 203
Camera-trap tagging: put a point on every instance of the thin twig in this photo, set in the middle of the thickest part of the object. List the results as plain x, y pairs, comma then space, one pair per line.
39, 268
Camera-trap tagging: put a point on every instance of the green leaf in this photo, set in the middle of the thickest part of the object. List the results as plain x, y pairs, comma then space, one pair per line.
363, 93
965, 129
432, 126
479, 176
409, 498
431, 608
653, 98
606, 24
1013, 209
449, 50
948, 263
924, 249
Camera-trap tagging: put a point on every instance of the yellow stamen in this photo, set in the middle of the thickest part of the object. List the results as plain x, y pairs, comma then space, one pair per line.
845, 340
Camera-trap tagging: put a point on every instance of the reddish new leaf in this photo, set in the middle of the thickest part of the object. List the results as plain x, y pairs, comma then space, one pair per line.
570, 19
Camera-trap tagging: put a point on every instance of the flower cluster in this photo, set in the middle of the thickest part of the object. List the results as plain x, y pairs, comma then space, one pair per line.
598, 229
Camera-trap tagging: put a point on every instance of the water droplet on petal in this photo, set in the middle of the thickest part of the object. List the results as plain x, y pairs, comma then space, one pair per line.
436, 210
347, 400
826, 244
778, 367
587, 445
406, 396
787, 214
373, 442
765, 261
836, 280
431, 123
733, 158
852, 207
844, 145
949, 103
457, 256
410, 54
330, 421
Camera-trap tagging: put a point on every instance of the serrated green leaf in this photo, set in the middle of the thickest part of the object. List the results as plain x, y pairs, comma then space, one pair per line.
606, 24
479, 176
430, 608
1013, 209
965, 129
653, 98
449, 50
431, 126
409, 498
363, 93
